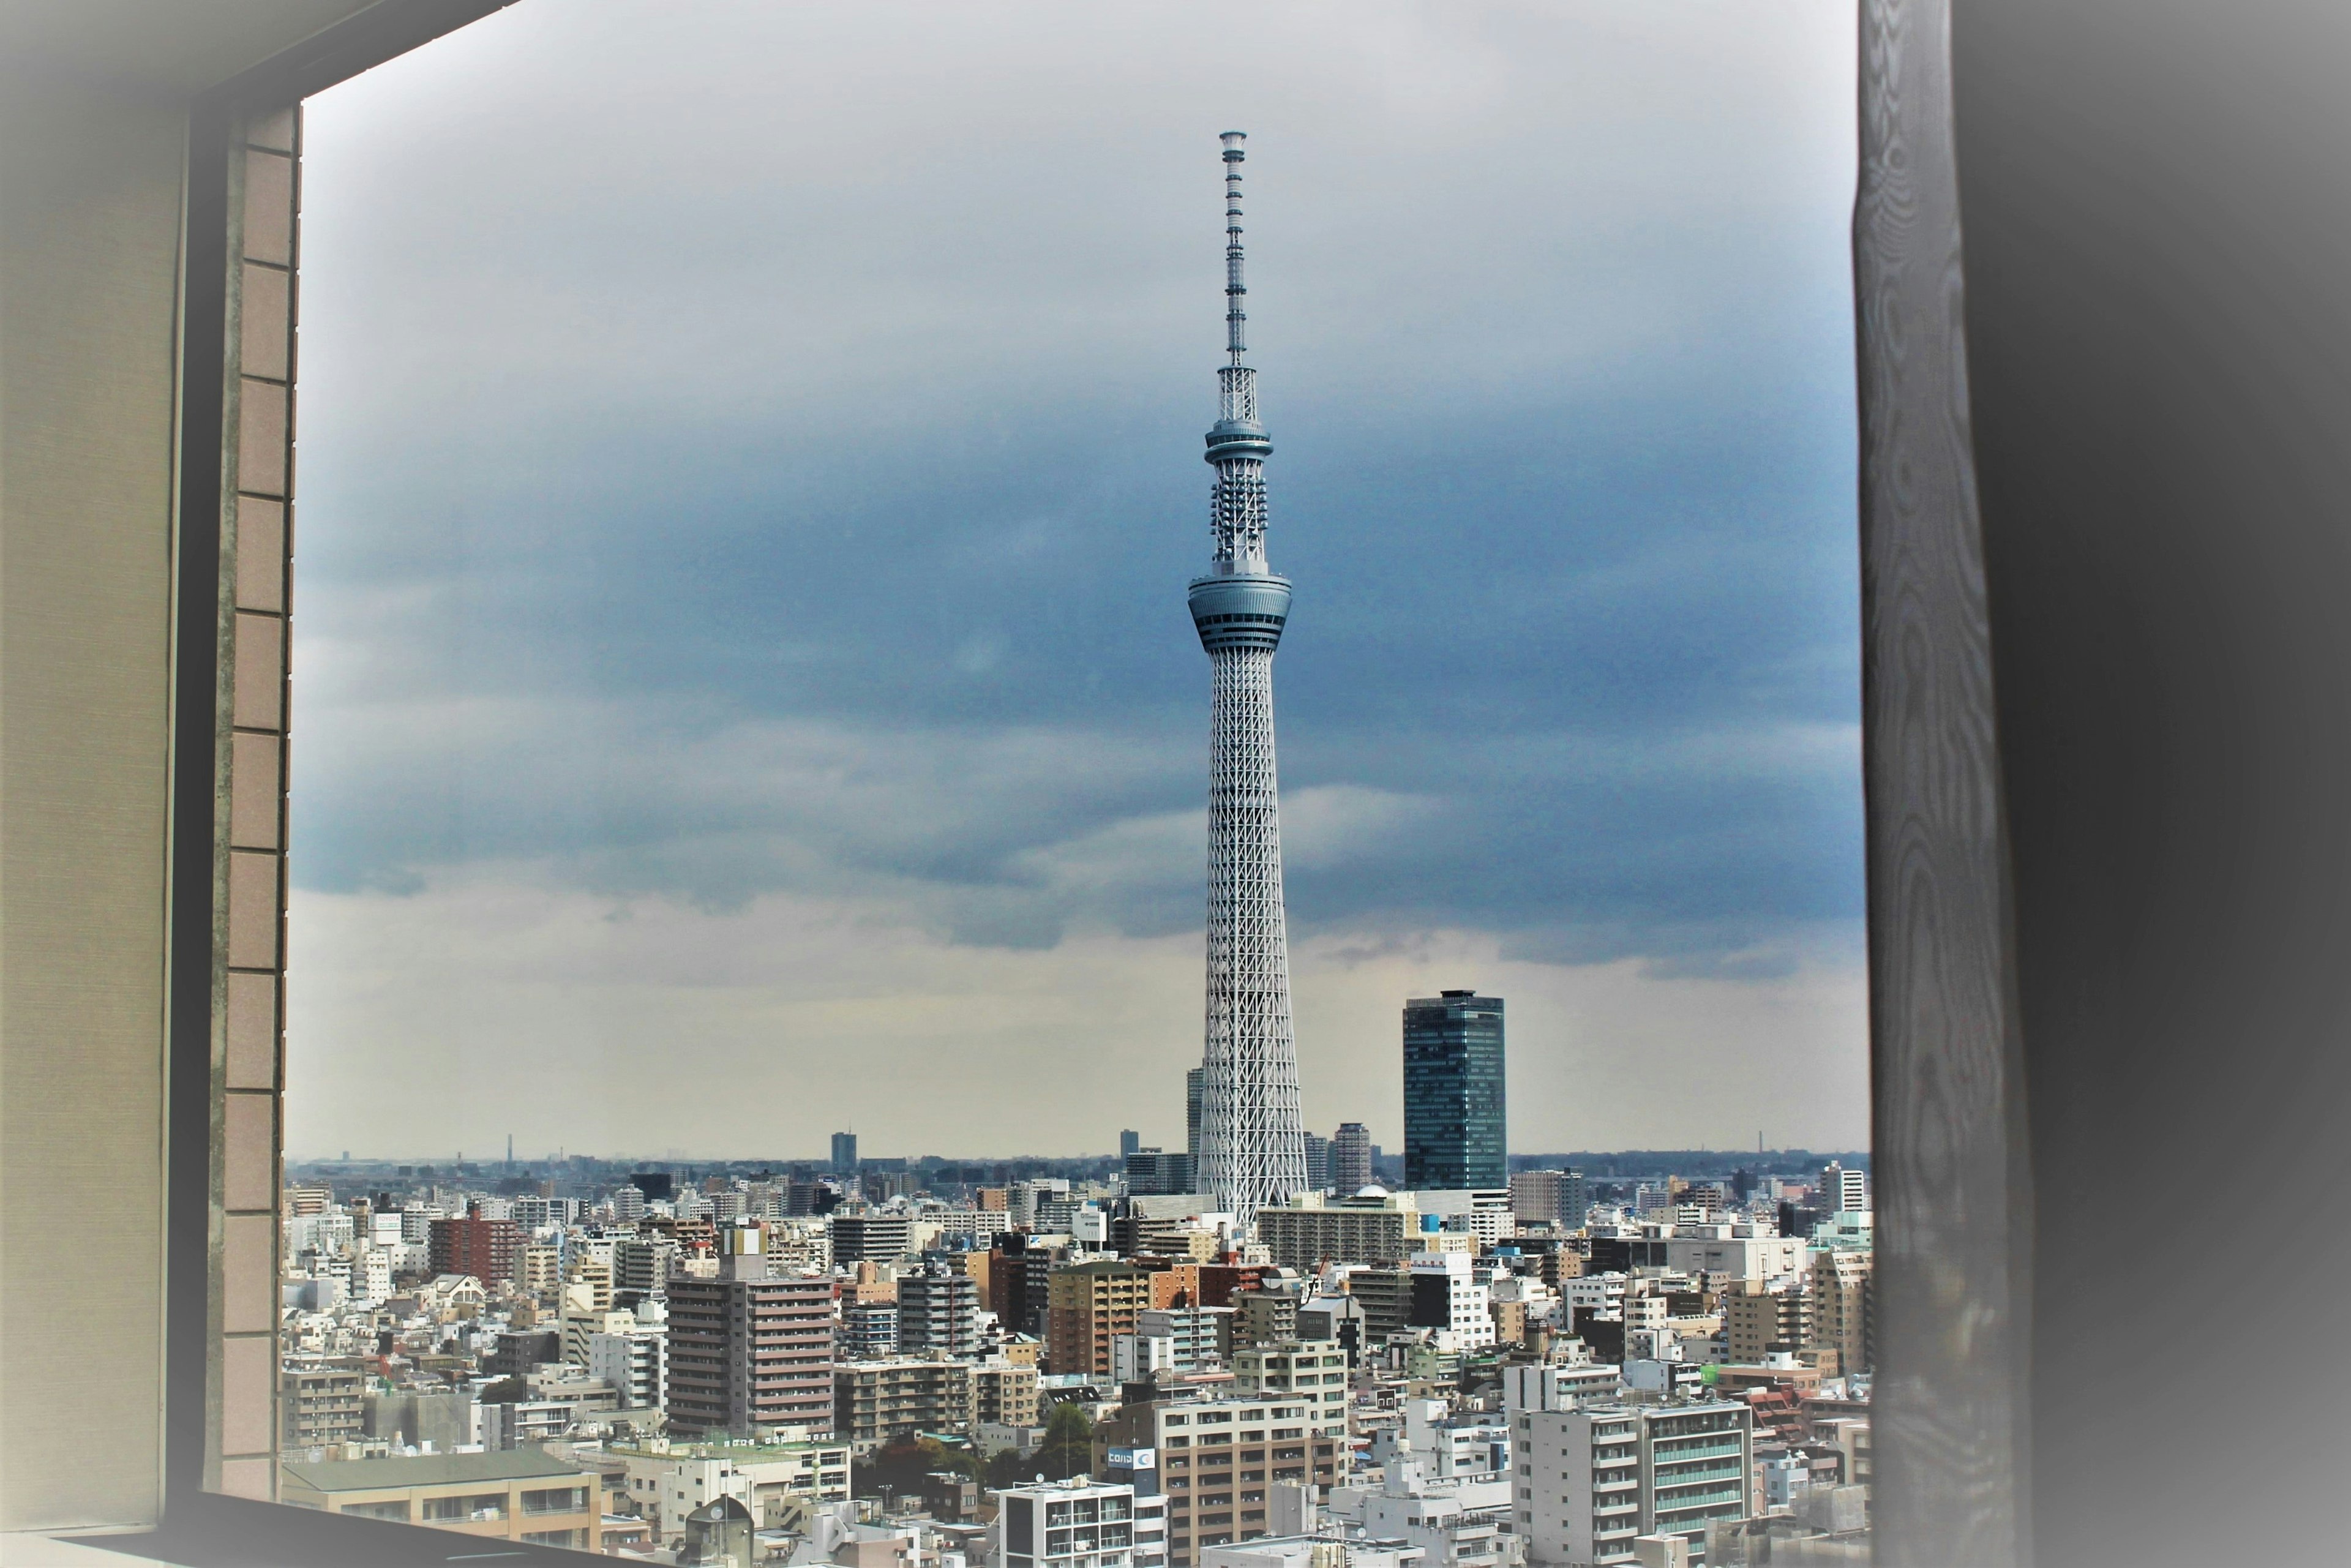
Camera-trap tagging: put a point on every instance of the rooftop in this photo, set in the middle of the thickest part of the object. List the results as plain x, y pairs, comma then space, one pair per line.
427, 1470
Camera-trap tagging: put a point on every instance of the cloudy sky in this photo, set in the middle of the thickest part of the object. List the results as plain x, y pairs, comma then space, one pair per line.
750, 469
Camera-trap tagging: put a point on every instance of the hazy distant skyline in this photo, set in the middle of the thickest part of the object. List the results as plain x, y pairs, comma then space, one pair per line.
689, 396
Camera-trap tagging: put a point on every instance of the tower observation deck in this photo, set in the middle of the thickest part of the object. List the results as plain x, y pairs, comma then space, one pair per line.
1253, 1142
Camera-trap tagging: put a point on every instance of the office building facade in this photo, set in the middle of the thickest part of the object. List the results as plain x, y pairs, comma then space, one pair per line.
1455, 1114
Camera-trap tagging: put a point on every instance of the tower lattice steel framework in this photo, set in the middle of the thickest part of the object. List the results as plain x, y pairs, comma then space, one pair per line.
1252, 1145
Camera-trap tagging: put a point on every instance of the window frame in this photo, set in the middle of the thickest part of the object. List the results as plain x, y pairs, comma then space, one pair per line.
1949, 1149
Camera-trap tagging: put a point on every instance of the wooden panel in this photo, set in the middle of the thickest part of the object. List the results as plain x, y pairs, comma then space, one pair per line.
1952, 1184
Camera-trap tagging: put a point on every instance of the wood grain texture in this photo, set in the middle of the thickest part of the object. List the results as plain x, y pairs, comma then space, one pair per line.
1953, 1220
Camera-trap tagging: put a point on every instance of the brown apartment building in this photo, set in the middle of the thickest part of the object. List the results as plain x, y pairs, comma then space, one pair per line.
1086, 1305
748, 1348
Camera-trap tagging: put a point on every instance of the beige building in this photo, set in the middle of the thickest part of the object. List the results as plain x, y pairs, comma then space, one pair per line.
1315, 1371
1759, 1321
1005, 1393
878, 1402
520, 1495
321, 1406
1844, 1308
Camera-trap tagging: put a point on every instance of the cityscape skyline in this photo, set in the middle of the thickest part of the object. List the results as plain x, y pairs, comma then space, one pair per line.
607, 795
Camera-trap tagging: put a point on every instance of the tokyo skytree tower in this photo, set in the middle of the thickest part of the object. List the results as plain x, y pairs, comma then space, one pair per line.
1252, 1145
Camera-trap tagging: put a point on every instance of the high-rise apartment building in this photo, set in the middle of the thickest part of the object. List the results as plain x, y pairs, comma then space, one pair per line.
844, 1154
1193, 1087
1004, 1393
1456, 1118
1843, 1191
938, 1313
1088, 1305
868, 1331
1224, 1453
1593, 1478
489, 1249
749, 1349
1844, 1308
1759, 1321
1351, 1158
1317, 1163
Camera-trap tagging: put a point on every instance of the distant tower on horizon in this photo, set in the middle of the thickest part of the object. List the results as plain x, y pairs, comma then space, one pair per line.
1253, 1142
844, 1154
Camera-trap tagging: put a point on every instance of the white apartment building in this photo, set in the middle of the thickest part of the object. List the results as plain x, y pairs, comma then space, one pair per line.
1448, 1295
1134, 1357
1557, 1388
635, 1362
1074, 1523
1734, 1250
1456, 1522
1842, 1191
1589, 1481
1197, 1335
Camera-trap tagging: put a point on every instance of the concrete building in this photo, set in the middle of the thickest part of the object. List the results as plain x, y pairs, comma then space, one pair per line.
1760, 1322
1313, 1230
878, 1402
1004, 1394
321, 1406
1075, 1523
1843, 1316
1842, 1191
1552, 1197
1315, 1373
875, 1236
1199, 1337
635, 1363
666, 1480
523, 1496
750, 1350
938, 1313
1265, 1315
868, 1331
1591, 1479
1448, 1296
1087, 1306
489, 1250
1219, 1459
1351, 1158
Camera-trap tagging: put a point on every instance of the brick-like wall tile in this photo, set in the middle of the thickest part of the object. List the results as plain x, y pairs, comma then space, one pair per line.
249, 1151
248, 1478
265, 344
252, 909
248, 1382
260, 554
251, 1032
252, 795
264, 422
248, 1274
269, 208
273, 130
260, 670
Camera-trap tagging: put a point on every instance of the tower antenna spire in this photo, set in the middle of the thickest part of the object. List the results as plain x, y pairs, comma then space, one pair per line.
1236, 317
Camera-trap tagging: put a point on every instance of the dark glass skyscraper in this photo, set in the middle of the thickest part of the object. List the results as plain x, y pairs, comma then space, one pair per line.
1456, 1121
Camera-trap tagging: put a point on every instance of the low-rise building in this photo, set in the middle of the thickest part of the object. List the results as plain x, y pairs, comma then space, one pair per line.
664, 1481
522, 1496
878, 1402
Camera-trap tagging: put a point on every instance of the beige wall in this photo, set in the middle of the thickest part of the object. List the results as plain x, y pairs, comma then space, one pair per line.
93, 108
